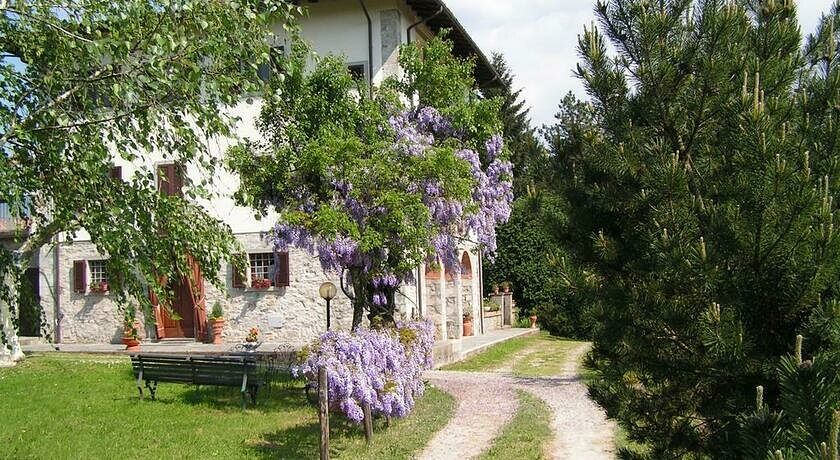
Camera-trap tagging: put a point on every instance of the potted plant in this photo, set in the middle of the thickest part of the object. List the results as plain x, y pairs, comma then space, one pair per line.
217, 323
468, 324
100, 287
131, 330
260, 283
252, 340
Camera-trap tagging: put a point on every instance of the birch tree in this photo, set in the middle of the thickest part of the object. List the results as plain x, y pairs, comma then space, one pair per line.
84, 81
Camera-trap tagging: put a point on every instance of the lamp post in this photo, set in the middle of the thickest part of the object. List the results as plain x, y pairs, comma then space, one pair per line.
327, 292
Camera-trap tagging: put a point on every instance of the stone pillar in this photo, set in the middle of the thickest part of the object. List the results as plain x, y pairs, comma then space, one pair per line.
443, 315
459, 307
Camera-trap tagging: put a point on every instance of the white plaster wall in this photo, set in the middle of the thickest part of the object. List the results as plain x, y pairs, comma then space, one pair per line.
331, 27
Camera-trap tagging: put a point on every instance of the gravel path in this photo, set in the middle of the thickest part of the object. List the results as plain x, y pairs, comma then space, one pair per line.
581, 428
487, 401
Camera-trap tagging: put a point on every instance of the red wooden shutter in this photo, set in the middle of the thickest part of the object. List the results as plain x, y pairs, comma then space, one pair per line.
115, 172
238, 281
80, 276
282, 276
176, 179
163, 179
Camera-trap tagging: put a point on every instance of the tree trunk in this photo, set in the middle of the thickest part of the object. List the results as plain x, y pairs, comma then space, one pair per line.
360, 298
10, 350
10, 277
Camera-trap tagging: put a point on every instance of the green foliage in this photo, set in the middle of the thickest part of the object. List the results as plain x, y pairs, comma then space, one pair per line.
217, 313
526, 153
321, 133
702, 202
85, 82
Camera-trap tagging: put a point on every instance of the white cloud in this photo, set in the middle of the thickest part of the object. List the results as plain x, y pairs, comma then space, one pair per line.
539, 41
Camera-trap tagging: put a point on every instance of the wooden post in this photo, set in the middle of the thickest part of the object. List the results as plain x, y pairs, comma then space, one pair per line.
323, 412
368, 422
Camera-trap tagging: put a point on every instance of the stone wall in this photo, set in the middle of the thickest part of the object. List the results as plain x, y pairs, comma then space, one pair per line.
89, 317
292, 315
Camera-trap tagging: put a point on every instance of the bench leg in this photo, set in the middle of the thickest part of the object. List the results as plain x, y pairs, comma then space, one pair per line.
252, 391
140, 383
152, 386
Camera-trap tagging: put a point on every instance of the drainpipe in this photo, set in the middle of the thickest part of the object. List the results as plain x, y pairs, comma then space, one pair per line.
370, 47
57, 291
422, 21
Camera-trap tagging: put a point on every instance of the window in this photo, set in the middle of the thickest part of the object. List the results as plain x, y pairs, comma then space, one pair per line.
275, 63
265, 269
98, 276
262, 268
358, 71
4, 211
98, 271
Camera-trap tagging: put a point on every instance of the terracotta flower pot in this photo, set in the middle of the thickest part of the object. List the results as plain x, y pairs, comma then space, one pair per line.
218, 325
468, 327
131, 343
533, 321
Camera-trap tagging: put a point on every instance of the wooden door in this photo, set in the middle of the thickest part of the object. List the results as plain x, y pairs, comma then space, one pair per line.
182, 305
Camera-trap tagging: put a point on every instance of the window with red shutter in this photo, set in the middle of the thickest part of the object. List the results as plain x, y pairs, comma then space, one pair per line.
238, 278
282, 276
80, 276
115, 173
170, 179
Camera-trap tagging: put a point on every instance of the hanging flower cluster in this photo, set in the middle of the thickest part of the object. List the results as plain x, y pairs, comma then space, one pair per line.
415, 133
382, 368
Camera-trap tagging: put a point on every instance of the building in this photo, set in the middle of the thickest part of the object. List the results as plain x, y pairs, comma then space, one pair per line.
68, 277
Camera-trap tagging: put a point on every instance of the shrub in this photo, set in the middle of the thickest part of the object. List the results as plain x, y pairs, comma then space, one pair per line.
381, 367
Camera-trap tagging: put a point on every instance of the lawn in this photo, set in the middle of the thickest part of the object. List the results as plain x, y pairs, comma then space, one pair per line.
539, 355
73, 406
526, 436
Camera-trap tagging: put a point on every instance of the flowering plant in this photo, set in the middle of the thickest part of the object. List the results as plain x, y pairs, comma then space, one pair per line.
380, 367
377, 186
260, 283
100, 287
253, 335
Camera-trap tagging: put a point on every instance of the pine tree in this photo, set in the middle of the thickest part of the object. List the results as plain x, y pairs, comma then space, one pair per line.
703, 202
522, 142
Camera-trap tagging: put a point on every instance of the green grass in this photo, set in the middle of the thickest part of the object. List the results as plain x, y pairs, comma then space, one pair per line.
72, 406
527, 435
538, 355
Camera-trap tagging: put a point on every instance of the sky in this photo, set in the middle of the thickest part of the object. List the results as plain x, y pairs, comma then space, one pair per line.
539, 41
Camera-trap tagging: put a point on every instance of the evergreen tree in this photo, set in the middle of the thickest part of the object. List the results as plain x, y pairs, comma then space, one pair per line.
703, 203
520, 135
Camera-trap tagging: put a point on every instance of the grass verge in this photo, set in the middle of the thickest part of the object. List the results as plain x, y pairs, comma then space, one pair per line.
530, 356
73, 406
527, 436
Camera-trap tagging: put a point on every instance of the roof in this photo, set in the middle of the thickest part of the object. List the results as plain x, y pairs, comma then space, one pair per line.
464, 46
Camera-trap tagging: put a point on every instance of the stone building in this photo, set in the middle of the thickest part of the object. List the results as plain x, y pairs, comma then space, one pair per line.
68, 276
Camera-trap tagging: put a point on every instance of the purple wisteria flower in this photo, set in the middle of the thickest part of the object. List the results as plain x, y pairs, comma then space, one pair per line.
382, 368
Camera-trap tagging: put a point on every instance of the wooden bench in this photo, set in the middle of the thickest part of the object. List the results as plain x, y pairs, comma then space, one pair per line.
229, 371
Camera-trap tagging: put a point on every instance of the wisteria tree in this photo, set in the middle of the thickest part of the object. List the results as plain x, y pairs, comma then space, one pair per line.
375, 186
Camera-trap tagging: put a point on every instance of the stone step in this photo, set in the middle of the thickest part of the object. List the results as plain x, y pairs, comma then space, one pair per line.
32, 341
